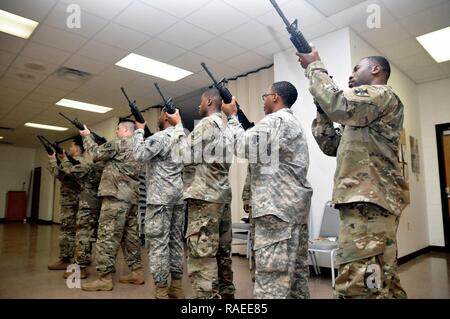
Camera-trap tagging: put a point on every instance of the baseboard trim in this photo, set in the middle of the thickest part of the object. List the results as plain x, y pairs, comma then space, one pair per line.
420, 252
45, 222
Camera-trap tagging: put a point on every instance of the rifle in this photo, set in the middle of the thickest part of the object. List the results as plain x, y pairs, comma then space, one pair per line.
60, 151
137, 114
227, 96
46, 146
99, 140
297, 38
168, 103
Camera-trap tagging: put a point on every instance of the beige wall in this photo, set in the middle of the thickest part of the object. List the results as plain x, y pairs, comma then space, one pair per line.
16, 166
434, 100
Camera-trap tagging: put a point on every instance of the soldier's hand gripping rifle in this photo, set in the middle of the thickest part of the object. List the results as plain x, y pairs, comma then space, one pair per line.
99, 140
227, 96
168, 103
297, 37
137, 114
47, 147
60, 151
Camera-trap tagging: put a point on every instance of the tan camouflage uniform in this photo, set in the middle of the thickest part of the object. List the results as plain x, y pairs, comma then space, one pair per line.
164, 219
209, 215
119, 189
369, 189
281, 199
246, 200
88, 175
69, 191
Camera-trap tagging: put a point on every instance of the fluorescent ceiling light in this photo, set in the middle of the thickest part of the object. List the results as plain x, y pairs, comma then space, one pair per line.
145, 65
46, 127
437, 44
1, 137
83, 106
16, 25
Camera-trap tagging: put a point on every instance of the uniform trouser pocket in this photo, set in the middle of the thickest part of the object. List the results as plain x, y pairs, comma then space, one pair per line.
360, 266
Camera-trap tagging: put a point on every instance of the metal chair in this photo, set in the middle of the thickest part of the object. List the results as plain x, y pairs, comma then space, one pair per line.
327, 241
243, 233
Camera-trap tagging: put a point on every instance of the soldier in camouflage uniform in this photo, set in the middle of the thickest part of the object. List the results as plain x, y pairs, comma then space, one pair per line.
369, 189
119, 189
247, 206
70, 190
208, 199
164, 218
88, 175
280, 193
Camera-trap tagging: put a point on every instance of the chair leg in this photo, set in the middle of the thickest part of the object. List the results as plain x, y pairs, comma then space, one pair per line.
316, 263
311, 255
332, 255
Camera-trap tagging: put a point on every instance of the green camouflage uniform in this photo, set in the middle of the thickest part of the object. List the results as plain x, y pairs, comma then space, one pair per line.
209, 215
369, 189
164, 218
88, 175
246, 199
280, 199
119, 189
69, 191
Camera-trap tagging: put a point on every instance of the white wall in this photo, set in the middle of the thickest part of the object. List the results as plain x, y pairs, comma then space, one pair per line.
16, 166
434, 100
47, 186
334, 49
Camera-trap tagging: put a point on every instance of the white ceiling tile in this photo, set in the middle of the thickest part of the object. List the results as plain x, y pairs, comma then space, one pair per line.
328, 7
10, 43
90, 24
59, 83
429, 20
253, 8
425, 74
6, 58
57, 38
357, 16
29, 64
251, 35
174, 90
445, 67
317, 30
30, 9
25, 76
159, 50
174, 8
181, 35
50, 91
2, 69
219, 49
421, 60
122, 37
103, 8
191, 61
248, 61
102, 52
269, 49
40, 99
402, 49
304, 12
85, 64
196, 81
404, 8
45, 53
221, 71
143, 18
381, 38
208, 17
20, 87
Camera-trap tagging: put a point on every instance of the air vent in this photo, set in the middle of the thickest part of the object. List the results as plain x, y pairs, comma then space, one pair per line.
25, 76
6, 128
34, 66
72, 74
6, 143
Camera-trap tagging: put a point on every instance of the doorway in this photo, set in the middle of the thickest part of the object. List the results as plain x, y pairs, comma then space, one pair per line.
443, 146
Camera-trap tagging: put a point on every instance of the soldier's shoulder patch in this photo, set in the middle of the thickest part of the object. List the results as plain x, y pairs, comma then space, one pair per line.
362, 92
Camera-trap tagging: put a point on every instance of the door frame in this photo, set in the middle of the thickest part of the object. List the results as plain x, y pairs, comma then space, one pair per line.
440, 128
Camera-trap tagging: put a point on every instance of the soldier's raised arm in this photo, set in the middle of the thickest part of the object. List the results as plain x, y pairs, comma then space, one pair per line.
146, 149
326, 135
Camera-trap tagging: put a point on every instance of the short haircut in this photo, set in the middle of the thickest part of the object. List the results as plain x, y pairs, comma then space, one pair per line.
128, 125
286, 91
382, 62
214, 95
78, 141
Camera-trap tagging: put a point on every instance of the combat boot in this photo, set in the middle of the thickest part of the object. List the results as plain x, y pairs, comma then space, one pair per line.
176, 289
84, 273
103, 283
61, 264
161, 293
134, 277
